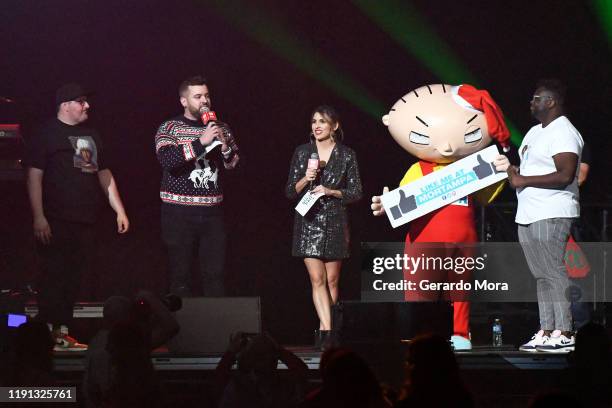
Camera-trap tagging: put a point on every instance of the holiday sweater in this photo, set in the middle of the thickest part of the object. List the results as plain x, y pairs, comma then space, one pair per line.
190, 175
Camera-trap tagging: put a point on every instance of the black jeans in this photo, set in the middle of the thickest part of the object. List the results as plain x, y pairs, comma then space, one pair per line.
581, 310
185, 231
63, 262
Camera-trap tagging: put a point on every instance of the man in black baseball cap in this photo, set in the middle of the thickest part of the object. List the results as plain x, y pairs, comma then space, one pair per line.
72, 104
65, 170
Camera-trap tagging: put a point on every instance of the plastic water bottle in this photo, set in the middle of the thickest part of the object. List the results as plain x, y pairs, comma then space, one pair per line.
497, 333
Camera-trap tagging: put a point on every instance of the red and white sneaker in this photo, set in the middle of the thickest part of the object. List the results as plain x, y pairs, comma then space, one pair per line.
65, 342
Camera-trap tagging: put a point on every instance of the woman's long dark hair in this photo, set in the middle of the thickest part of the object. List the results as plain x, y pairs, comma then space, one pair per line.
334, 118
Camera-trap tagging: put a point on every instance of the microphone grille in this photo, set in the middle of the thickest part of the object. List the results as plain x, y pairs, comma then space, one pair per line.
204, 109
314, 156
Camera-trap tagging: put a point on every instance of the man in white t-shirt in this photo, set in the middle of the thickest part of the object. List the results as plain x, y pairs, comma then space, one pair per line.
546, 186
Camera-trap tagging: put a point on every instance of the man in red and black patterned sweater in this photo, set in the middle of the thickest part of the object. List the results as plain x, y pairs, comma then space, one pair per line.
191, 155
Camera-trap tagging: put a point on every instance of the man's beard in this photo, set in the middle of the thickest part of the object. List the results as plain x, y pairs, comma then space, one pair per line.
195, 111
538, 115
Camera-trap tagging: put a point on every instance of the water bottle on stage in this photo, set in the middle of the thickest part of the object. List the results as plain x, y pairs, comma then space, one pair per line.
497, 333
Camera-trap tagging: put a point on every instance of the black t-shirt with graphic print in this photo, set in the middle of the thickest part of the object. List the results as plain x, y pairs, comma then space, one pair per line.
70, 157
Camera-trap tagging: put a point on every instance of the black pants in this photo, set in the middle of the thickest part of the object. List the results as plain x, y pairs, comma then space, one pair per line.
185, 232
63, 262
581, 311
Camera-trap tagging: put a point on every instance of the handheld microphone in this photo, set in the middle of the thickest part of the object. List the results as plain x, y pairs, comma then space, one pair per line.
313, 163
207, 115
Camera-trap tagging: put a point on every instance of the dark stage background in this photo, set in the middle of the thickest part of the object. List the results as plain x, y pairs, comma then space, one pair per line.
264, 83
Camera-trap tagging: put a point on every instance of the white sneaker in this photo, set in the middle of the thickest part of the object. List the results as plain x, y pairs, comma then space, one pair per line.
538, 339
561, 344
460, 343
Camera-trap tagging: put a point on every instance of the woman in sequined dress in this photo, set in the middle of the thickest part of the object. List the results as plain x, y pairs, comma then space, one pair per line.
322, 236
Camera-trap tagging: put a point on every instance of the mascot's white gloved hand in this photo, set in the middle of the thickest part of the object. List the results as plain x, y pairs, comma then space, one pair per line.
377, 207
501, 163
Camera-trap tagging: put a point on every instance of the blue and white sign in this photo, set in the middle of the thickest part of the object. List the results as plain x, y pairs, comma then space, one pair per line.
443, 187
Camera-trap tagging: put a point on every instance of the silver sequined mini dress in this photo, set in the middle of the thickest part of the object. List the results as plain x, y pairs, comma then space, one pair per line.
324, 233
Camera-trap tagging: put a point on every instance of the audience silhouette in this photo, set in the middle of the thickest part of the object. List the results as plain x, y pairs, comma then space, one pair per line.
348, 381
32, 359
258, 383
432, 375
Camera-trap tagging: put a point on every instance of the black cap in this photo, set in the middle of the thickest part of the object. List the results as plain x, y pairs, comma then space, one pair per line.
70, 92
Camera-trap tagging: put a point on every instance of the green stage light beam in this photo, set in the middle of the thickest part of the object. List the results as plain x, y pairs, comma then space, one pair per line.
271, 34
603, 10
407, 27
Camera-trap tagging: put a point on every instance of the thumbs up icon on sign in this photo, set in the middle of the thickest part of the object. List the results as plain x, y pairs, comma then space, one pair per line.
483, 169
405, 205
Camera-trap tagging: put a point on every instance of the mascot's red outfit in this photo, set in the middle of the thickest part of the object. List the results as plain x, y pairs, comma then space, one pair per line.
453, 223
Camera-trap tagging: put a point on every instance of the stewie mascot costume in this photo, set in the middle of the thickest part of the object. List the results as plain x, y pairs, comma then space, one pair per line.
440, 124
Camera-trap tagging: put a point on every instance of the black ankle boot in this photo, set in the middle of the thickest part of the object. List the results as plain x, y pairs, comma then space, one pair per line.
324, 339
327, 340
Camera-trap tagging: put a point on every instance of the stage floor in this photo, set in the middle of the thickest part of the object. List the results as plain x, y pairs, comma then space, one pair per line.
480, 358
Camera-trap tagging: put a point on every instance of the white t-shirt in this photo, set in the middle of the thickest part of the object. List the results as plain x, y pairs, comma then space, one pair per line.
536, 152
